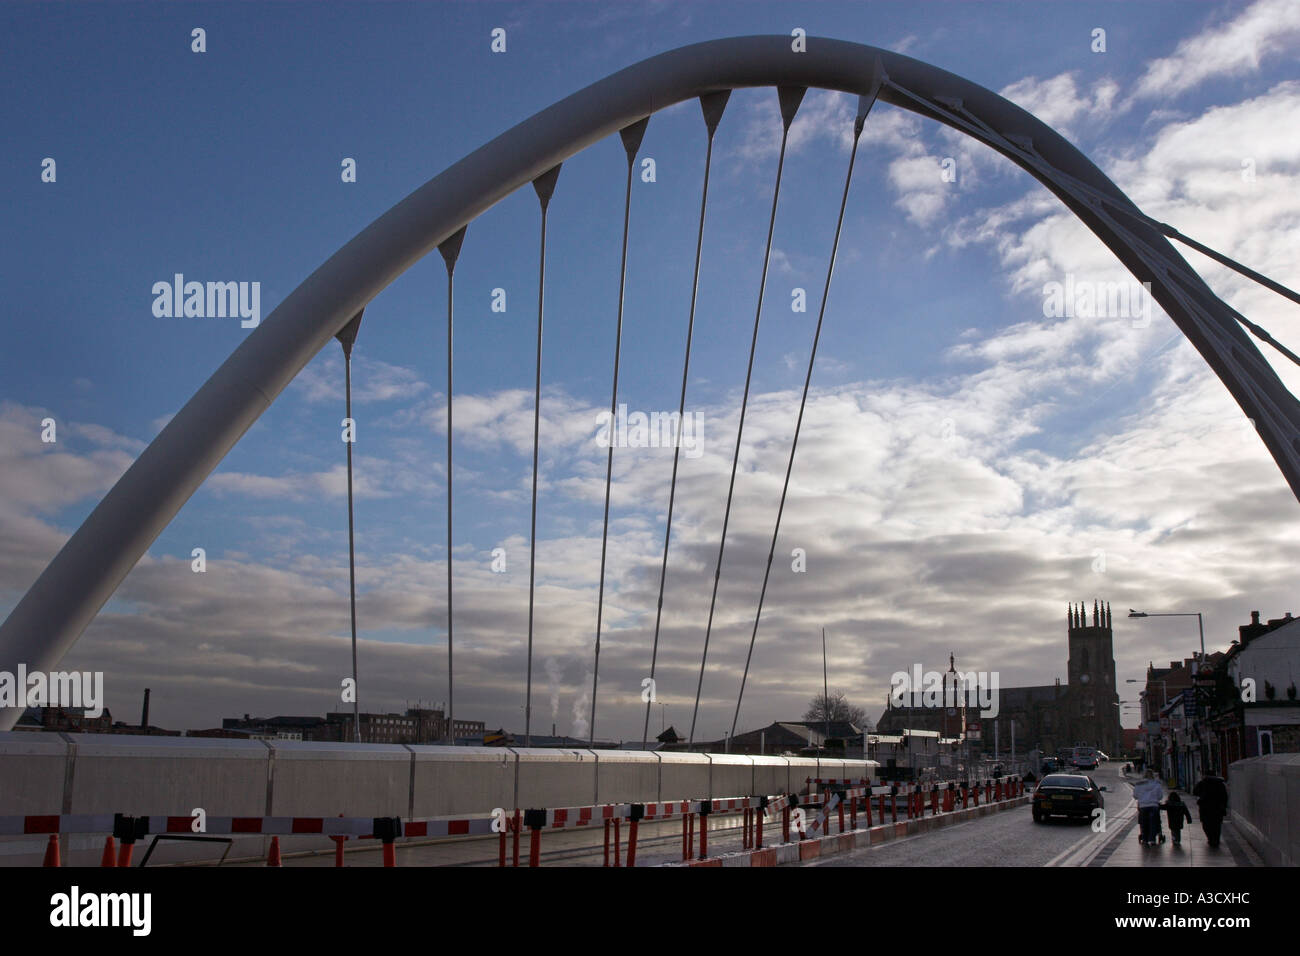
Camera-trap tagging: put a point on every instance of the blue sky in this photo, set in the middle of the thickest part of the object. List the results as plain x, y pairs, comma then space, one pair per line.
965, 459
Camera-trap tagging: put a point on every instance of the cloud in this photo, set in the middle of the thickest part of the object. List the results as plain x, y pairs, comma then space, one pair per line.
1058, 101
1263, 30
372, 380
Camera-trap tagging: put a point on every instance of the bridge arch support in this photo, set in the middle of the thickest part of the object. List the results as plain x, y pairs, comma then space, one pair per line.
84, 574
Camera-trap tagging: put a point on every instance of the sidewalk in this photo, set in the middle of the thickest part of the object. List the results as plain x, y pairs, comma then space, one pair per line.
1195, 850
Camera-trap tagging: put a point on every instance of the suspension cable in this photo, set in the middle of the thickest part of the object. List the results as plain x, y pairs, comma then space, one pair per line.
712, 104
631, 136
789, 98
545, 188
347, 336
864, 107
450, 250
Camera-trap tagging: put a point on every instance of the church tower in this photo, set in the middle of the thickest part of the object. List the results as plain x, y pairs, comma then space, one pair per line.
1092, 702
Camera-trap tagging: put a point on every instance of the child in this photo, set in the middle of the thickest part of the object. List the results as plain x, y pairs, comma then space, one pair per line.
1177, 813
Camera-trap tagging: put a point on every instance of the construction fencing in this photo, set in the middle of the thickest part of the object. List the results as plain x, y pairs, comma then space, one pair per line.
845, 802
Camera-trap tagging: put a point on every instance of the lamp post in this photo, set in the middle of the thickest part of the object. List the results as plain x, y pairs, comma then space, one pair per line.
1200, 622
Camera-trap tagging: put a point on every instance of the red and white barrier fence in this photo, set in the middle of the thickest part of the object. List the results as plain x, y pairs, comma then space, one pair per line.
856, 795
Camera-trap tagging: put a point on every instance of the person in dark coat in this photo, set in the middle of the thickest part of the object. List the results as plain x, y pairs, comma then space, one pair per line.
1176, 813
1212, 799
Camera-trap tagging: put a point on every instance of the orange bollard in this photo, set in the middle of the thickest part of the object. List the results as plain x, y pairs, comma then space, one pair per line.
273, 858
110, 857
618, 838
52, 852
390, 853
124, 853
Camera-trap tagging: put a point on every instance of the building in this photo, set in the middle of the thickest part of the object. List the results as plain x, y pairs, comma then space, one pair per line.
797, 737
1250, 695
416, 726
75, 720
1048, 717
70, 720
1164, 742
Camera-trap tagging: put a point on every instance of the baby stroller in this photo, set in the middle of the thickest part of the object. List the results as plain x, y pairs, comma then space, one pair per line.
1153, 826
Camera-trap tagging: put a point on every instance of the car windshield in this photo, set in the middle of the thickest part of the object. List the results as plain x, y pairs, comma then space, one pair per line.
1063, 780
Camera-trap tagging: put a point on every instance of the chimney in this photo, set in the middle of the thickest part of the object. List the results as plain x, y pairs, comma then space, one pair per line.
552, 730
1248, 632
144, 714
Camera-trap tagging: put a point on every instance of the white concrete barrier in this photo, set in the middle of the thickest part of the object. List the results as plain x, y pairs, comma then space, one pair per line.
46, 773
1264, 804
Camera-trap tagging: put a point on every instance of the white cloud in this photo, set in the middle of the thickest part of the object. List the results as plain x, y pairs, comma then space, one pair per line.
1238, 46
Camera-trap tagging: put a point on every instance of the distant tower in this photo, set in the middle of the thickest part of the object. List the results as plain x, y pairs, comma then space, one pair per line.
1092, 700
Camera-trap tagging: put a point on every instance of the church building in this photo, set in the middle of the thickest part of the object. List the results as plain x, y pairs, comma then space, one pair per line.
1048, 717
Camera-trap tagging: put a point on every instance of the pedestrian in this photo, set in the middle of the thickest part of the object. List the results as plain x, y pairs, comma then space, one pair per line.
1149, 794
1176, 813
1212, 800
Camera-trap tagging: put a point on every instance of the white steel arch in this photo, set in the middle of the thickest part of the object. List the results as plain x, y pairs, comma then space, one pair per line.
86, 571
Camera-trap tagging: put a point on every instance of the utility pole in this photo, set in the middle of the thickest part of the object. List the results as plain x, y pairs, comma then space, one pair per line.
826, 694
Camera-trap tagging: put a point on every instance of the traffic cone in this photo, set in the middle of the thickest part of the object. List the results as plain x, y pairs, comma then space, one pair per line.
110, 857
52, 852
273, 858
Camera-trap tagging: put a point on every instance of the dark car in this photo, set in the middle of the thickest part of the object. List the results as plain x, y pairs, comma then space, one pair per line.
1066, 795
1050, 765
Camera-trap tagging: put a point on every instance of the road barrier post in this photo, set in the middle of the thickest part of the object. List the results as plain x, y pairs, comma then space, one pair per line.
514, 836
635, 813
535, 820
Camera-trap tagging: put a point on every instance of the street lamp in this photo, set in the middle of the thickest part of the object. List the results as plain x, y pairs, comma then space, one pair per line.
1200, 623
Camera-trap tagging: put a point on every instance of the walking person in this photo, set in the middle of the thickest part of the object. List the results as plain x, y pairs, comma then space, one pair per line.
1149, 793
1176, 813
1212, 800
